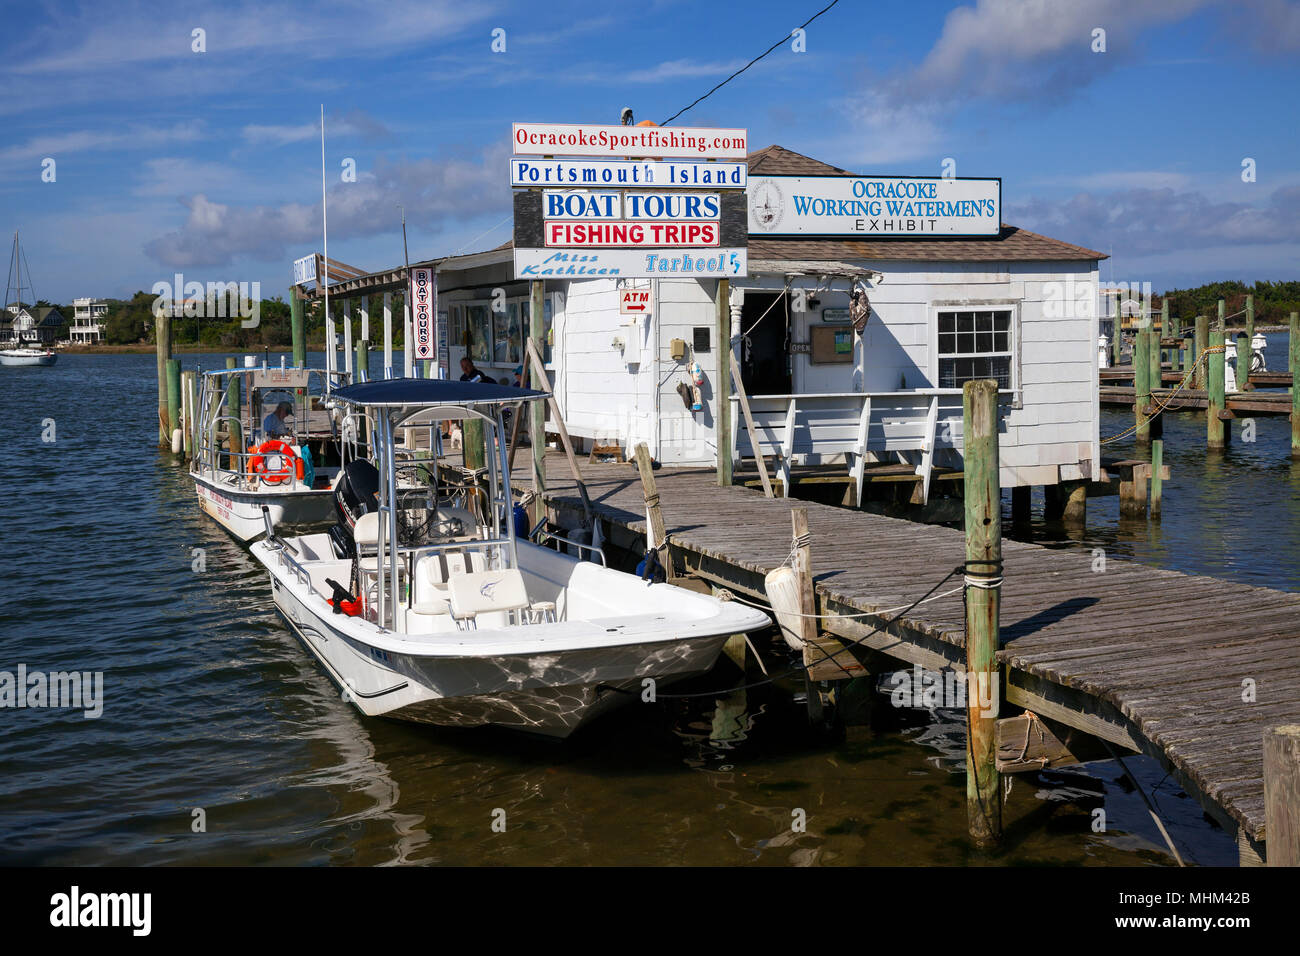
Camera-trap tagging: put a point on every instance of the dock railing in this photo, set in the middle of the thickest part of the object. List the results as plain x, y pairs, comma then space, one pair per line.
814, 429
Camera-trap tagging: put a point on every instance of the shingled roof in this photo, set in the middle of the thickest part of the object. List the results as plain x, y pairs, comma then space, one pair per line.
1012, 244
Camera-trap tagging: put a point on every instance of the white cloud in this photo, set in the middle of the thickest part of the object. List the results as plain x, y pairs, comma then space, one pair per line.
434, 192
80, 141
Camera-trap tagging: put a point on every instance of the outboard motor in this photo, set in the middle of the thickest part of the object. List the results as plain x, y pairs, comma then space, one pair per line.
356, 493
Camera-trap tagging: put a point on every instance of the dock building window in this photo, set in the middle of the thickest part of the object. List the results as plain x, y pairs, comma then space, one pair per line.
974, 344
496, 338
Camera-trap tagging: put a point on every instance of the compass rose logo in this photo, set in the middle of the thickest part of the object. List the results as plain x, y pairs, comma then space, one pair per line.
766, 205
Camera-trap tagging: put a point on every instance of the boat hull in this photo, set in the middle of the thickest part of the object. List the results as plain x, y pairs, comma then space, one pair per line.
551, 691
40, 359
240, 512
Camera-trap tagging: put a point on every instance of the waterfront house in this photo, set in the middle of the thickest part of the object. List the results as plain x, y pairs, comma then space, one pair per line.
88, 317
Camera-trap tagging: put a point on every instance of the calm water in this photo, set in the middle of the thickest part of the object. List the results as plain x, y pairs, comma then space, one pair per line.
210, 704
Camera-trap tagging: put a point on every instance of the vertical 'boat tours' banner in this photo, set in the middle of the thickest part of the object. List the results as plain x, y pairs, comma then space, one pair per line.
665, 204
424, 304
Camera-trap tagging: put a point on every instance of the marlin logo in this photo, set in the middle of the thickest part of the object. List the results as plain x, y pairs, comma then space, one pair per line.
486, 589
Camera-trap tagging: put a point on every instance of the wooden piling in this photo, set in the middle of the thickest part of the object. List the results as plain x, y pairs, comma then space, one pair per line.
235, 443
1162, 332
537, 421
1215, 381
1243, 362
984, 567
1202, 340
801, 563
363, 360
1157, 465
163, 347
173, 399
1020, 504
657, 535
1117, 338
1189, 356
1282, 795
1074, 508
1293, 363
297, 328
1155, 353
1250, 326
1141, 385
722, 311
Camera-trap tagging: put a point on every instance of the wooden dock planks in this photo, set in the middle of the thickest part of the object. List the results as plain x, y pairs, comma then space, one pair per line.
1164, 651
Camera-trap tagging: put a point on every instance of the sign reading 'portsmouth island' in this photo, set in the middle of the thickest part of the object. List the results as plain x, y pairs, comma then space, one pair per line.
874, 206
631, 218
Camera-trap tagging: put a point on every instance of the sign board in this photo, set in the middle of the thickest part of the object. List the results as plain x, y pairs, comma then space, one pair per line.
281, 378
424, 304
304, 270
630, 219
628, 174
723, 262
874, 206
580, 139
634, 302
835, 316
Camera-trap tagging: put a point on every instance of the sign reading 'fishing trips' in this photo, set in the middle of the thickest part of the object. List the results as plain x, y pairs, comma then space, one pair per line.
874, 206
424, 302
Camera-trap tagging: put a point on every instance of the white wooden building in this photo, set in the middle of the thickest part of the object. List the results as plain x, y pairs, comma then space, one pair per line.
1019, 307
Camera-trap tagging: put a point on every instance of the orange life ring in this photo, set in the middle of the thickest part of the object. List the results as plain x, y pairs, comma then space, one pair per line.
290, 463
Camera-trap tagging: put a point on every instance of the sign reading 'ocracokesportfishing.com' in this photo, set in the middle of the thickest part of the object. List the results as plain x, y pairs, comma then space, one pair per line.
874, 206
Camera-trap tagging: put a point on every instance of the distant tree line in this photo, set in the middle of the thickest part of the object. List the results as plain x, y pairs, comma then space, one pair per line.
131, 322
1274, 301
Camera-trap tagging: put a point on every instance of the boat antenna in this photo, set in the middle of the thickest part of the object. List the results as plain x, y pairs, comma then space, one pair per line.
325, 255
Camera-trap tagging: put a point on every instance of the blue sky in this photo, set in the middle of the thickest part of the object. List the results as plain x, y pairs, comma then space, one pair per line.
208, 163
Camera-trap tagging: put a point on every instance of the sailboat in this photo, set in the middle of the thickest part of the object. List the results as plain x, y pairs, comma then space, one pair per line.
16, 313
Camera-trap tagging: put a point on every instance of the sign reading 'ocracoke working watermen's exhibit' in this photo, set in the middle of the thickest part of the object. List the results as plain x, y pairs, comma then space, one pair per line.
674, 218
874, 206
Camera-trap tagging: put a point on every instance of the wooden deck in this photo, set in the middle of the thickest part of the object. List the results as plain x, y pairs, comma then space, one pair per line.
1152, 661
1244, 404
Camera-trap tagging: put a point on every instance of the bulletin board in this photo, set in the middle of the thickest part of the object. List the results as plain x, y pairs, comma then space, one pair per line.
831, 344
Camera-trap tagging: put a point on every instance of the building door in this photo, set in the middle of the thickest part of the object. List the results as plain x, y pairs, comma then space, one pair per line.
765, 350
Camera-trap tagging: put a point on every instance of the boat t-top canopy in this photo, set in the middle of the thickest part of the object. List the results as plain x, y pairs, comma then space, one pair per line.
407, 392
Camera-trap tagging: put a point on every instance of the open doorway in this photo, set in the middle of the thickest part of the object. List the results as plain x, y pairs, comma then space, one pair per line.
765, 356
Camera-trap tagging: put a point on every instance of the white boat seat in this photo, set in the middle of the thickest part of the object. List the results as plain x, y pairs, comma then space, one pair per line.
366, 531
432, 606
480, 592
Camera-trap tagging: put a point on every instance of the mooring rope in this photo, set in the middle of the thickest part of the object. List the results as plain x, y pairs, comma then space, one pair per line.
1162, 406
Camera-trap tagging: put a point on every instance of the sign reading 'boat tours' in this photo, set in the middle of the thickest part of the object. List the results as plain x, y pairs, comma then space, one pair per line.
423, 305
874, 206
580, 139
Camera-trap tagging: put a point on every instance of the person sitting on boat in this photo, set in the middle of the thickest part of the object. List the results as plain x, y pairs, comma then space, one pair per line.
273, 425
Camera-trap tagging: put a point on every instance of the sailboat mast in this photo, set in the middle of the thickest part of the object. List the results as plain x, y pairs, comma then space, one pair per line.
330, 357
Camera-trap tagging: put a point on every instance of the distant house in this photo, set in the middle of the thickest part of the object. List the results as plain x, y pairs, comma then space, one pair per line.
25, 325
88, 318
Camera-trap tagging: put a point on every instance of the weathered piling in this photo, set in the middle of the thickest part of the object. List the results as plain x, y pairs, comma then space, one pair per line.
1243, 361
1116, 339
363, 360
1202, 340
1157, 466
1282, 795
1250, 323
983, 580
1155, 353
722, 381
192, 417
163, 346
1189, 354
801, 563
1162, 332
1293, 363
1216, 398
235, 443
1141, 385
1074, 503
173, 402
537, 413
297, 328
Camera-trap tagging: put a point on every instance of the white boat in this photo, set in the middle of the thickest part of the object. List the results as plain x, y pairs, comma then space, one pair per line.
288, 469
27, 357
457, 620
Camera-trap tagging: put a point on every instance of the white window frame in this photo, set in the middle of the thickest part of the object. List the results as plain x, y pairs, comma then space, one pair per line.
978, 305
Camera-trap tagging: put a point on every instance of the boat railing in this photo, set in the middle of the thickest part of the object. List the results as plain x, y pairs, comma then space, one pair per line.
542, 535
